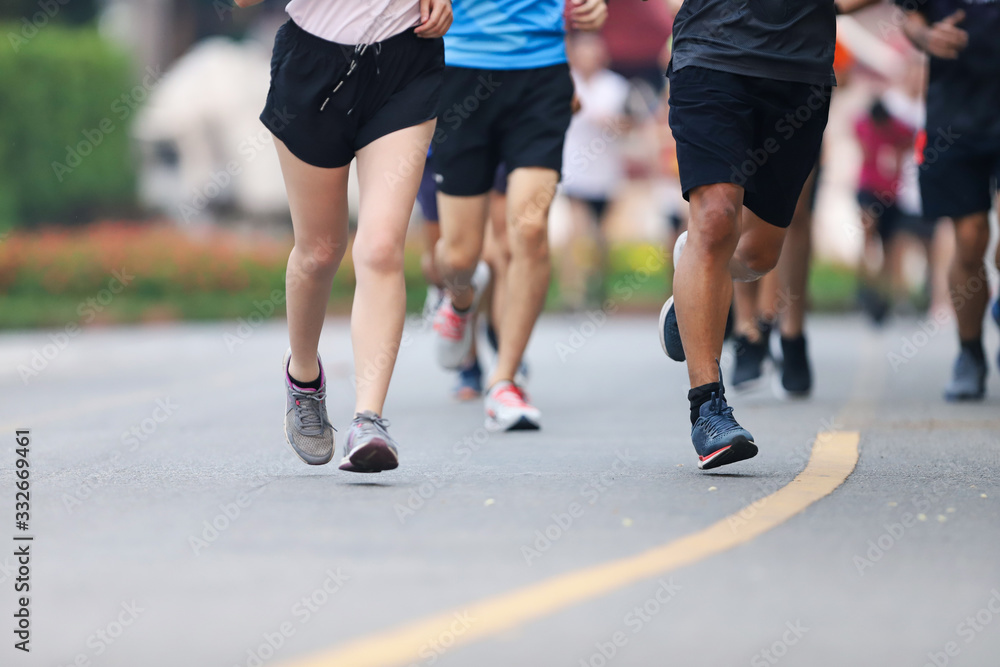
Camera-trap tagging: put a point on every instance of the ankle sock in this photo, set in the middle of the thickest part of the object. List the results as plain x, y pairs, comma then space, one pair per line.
975, 348
700, 395
314, 384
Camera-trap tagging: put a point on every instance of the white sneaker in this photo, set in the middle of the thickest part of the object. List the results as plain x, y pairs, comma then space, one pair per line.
454, 329
507, 409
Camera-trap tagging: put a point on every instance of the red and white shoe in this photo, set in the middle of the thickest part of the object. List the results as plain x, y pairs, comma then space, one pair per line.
507, 409
454, 330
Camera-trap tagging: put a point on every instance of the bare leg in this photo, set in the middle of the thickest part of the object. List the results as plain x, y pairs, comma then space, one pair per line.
463, 227
745, 298
497, 254
967, 278
380, 296
432, 234
530, 192
793, 266
725, 241
317, 199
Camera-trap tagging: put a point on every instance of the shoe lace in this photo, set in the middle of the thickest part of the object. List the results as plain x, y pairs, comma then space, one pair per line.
309, 409
372, 419
449, 323
720, 418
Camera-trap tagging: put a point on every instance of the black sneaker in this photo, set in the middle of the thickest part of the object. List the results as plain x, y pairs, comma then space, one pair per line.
750, 357
796, 375
968, 381
717, 437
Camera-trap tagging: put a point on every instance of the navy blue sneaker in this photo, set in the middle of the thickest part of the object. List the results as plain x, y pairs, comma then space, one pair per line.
670, 335
717, 436
968, 380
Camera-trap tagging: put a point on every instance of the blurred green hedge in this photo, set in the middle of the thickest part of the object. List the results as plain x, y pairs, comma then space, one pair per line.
67, 97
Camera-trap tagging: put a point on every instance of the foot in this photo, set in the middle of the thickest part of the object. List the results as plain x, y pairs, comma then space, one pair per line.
432, 302
470, 381
750, 357
718, 438
507, 409
874, 305
670, 335
968, 380
796, 375
307, 427
370, 448
454, 329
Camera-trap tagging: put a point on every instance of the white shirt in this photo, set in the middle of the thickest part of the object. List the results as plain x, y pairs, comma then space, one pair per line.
593, 165
354, 21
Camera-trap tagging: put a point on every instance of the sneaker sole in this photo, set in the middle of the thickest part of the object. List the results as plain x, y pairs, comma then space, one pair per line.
373, 456
740, 449
671, 348
523, 423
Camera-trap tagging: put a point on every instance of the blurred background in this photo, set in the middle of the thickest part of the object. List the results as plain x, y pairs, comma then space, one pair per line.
131, 144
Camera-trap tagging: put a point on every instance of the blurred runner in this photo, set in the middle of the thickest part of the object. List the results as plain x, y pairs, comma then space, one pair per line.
507, 98
376, 101
884, 143
593, 168
961, 158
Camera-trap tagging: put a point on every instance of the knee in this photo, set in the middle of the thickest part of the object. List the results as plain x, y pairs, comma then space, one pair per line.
531, 238
972, 241
457, 255
318, 256
378, 253
716, 230
759, 261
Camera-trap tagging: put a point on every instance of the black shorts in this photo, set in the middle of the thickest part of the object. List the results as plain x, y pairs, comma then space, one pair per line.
959, 174
517, 117
395, 84
888, 217
761, 134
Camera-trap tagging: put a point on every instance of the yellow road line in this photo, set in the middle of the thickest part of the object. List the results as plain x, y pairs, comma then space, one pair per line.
834, 455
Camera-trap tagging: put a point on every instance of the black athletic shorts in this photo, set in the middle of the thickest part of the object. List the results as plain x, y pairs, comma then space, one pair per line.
324, 110
761, 134
959, 174
488, 116
888, 217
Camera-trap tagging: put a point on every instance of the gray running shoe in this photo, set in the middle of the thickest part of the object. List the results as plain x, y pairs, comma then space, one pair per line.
370, 448
968, 381
307, 427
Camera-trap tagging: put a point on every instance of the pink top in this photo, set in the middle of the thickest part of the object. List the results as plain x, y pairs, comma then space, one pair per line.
884, 147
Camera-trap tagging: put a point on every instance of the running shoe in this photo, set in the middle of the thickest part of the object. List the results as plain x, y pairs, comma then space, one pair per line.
717, 437
670, 335
370, 448
996, 318
307, 427
432, 302
470, 381
454, 329
507, 409
796, 374
968, 381
750, 358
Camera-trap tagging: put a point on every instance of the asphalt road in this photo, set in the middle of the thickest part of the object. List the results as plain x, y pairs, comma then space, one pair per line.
143, 438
